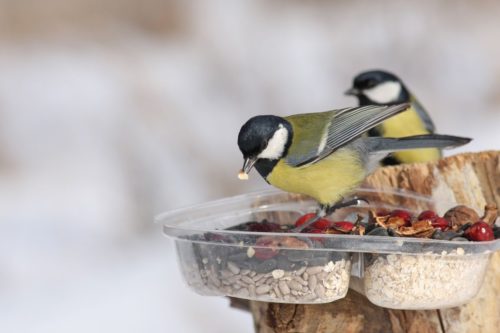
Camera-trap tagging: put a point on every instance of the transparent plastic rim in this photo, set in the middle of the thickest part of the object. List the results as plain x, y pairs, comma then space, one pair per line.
172, 226
163, 218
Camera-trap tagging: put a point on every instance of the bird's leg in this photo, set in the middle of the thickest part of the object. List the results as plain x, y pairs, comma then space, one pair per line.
342, 204
319, 214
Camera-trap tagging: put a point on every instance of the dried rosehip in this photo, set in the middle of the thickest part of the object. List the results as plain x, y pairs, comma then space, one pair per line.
402, 214
343, 226
440, 223
322, 223
268, 251
479, 231
427, 215
304, 218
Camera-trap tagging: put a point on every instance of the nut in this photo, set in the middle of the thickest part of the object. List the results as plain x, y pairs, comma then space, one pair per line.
461, 215
420, 229
374, 217
394, 222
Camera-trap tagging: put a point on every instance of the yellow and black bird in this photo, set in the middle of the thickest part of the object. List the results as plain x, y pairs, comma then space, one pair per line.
325, 155
379, 87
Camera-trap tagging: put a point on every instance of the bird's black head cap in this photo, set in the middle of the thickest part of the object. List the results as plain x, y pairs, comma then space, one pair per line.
256, 133
371, 79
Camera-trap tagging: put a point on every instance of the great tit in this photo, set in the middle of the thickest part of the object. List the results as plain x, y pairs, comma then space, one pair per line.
324, 155
383, 88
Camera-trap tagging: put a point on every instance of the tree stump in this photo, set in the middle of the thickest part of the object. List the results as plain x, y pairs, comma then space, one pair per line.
472, 179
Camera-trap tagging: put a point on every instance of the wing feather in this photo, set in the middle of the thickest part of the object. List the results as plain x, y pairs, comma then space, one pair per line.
341, 127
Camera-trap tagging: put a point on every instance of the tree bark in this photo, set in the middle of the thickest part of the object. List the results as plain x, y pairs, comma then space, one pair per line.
471, 179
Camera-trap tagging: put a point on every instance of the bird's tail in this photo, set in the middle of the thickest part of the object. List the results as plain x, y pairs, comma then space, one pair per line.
379, 144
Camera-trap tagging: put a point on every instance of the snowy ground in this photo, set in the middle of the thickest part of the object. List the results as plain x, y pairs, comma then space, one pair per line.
101, 130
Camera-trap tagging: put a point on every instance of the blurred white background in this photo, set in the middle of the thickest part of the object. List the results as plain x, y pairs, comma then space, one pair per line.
113, 111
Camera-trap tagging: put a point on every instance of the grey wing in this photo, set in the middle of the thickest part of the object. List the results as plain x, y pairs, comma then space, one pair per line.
429, 125
346, 125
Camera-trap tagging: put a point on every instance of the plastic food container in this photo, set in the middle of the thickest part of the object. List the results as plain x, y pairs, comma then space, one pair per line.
393, 272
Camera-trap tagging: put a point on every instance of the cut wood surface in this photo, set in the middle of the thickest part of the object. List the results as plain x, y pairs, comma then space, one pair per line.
472, 179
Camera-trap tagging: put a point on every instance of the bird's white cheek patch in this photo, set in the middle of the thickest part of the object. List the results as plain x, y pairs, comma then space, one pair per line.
384, 93
276, 145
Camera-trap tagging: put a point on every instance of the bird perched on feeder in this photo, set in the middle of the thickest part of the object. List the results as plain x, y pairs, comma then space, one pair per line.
325, 155
379, 87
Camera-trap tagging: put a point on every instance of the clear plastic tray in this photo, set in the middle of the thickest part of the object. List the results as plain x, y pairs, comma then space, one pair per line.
393, 272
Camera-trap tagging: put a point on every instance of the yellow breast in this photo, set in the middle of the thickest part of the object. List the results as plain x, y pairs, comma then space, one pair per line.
327, 181
406, 124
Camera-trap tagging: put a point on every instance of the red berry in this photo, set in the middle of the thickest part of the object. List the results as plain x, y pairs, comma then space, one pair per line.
268, 250
440, 222
304, 218
343, 226
479, 231
320, 224
402, 214
427, 215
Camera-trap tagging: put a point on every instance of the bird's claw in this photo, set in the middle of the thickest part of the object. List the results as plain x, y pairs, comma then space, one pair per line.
352, 202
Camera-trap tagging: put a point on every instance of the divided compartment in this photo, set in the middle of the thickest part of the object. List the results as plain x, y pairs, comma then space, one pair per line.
271, 267
291, 276
423, 281
393, 272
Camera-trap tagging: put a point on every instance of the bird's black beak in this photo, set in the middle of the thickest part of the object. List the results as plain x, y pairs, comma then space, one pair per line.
352, 91
247, 166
